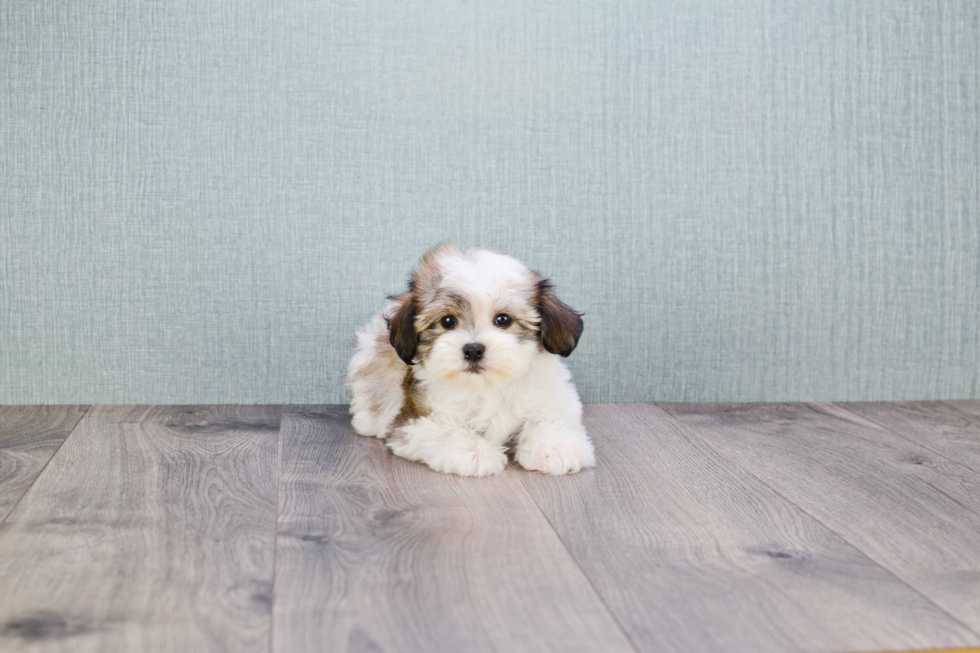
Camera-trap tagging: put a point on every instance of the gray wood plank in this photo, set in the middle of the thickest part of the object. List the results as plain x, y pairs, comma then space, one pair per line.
691, 553
152, 529
914, 512
937, 425
375, 553
971, 406
29, 436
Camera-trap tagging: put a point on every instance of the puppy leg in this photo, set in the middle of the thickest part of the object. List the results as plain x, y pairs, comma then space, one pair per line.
447, 448
554, 447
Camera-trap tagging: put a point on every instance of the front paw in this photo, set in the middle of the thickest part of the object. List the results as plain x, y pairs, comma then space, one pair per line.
365, 423
474, 458
555, 457
472, 461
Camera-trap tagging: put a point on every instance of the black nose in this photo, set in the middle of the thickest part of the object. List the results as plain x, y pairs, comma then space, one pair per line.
473, 351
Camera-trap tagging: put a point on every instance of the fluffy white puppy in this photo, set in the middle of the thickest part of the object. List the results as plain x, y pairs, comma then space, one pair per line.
465, 365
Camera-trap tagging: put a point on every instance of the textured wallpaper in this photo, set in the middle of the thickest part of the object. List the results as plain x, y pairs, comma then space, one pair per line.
201, 201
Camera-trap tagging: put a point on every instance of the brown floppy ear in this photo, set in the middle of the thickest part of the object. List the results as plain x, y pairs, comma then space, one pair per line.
401, 328
561, 327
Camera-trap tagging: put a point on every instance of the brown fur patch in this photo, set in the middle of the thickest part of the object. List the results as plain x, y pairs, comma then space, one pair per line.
561, 326
427, 323
401, 328
426, 280
441, 305
524, 328
422, 286
427, 339
413, 403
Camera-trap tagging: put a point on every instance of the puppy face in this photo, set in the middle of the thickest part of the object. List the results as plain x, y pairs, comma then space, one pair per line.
479, 318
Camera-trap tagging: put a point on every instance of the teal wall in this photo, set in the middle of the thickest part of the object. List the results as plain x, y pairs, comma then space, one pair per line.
200, 201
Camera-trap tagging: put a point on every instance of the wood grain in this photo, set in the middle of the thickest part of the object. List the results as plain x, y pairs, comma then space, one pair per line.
936, 425
692, 553
152, 529
940, 650
29, 436
375, 553
712, 528
971, 406
911, 510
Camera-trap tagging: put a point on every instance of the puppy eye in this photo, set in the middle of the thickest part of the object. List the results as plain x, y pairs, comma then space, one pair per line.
448, 322
503, 320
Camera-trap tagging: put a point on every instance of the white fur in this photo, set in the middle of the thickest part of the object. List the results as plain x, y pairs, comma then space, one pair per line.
523, 399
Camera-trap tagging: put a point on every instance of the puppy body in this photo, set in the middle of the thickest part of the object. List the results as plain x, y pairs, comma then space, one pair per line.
466, 364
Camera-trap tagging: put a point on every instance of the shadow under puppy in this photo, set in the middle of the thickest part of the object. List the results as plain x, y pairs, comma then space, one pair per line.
465, 364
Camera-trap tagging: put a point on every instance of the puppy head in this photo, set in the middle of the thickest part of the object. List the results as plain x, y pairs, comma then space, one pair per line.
479, 318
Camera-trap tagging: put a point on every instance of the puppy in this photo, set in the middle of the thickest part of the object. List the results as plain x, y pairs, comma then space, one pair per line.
466, 364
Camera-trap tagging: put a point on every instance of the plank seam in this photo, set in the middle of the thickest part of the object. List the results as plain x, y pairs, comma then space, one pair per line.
924, 445
571, 556
707, 442
46, 463
275, 538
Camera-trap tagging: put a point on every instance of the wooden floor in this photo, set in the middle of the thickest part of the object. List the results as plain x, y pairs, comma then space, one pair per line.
740, 527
